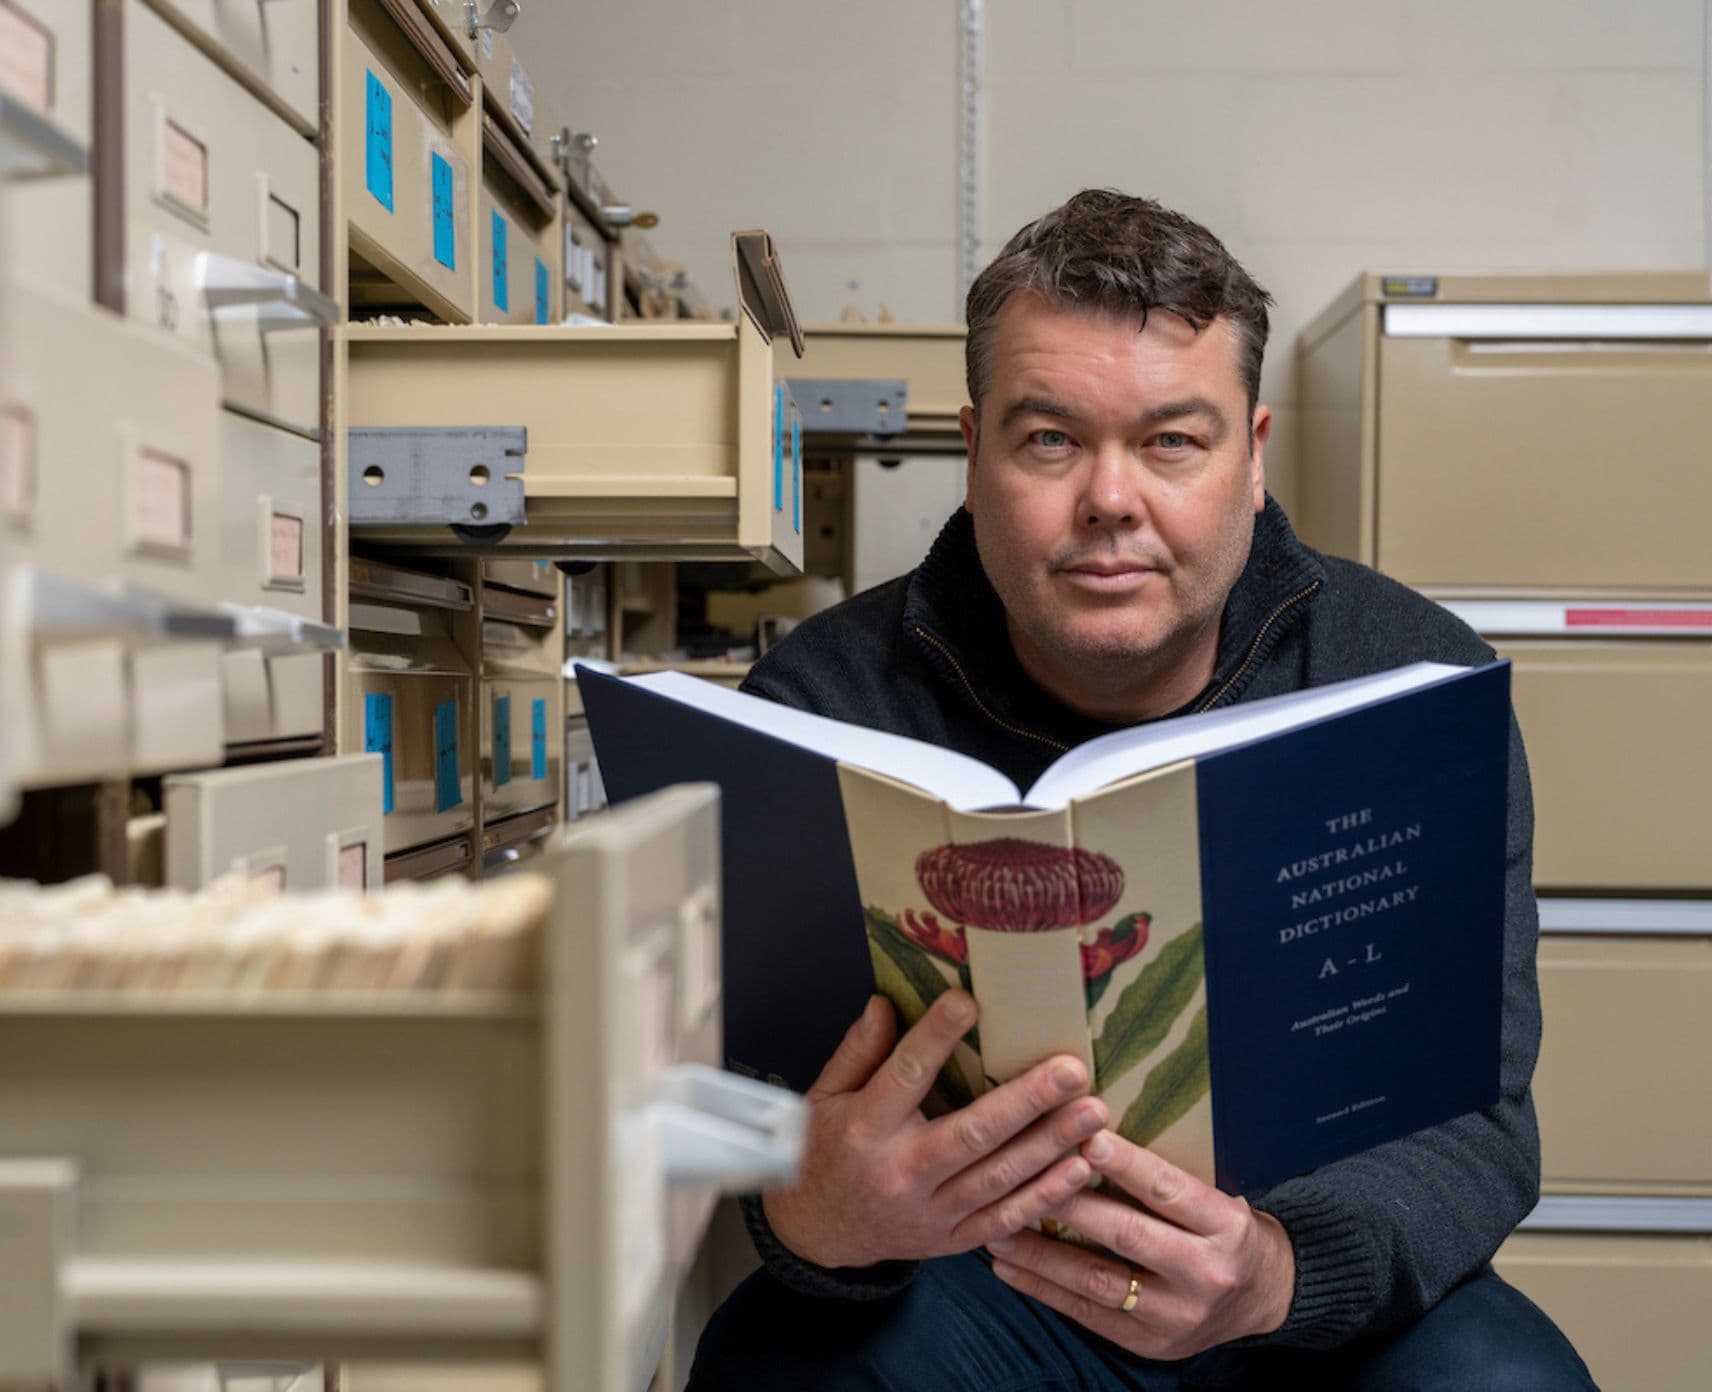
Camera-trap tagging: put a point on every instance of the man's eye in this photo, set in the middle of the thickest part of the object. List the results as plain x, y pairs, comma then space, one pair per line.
1051, 439
1171, 440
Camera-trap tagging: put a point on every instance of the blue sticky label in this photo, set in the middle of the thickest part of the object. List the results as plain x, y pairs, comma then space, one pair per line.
448, 790
538, 737
540, 291
377, 739
778, 447
445, 230
501, 271
377, 163
796, 473
501, 741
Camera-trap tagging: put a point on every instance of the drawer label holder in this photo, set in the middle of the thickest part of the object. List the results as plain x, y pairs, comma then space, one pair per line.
428, 476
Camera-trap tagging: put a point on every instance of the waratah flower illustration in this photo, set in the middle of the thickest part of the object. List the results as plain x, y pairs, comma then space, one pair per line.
928, 932
1014, 886
1115, 945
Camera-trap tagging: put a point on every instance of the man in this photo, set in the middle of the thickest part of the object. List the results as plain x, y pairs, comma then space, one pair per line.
1117, 560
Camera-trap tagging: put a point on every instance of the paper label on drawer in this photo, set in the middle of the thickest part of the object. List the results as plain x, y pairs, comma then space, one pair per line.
1637, 618
160, 501
354, 866
796, 473
17, 462
184, 168
522, 98
540, 291
501, 269
445, 227
778, 447
538, 737
501, 741
285, 547
377, 157
377, 739
26, 58
448, 791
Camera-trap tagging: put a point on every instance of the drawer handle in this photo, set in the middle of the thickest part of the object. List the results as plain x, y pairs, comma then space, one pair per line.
724, 1132
277, 630
284, 300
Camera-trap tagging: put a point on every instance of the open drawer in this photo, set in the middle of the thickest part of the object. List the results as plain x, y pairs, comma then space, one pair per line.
659, 441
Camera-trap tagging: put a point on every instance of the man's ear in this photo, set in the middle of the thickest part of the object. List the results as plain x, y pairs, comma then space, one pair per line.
971, 438
1259, 430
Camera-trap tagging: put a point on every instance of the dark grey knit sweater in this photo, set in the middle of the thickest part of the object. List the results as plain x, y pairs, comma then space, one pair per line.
1380, 1237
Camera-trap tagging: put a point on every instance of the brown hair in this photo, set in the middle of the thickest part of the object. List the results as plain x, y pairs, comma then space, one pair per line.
1121, 256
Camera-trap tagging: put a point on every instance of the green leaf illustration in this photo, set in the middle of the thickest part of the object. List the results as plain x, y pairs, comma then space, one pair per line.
1149, 1005
912, 963
1176, 1083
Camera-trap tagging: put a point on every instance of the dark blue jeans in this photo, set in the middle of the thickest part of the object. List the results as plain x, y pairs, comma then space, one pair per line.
958, 1328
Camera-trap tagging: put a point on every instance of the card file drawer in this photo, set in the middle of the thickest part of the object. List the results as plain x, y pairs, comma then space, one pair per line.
273, 45
405, 160
1615, 731
222, 224
1634, 1305
298, 825
1622, 1107
523, 744
519, 269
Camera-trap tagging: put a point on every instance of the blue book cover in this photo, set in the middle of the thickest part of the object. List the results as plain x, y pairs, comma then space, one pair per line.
1273, 932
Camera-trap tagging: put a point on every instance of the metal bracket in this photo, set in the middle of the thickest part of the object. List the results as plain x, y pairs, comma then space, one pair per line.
497, 15
443, 476
852, 406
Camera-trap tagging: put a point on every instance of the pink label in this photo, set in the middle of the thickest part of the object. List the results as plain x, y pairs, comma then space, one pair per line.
285, 547
354, 866
1637, 618
184, 167
17, 461
160, 500
26, 58
273, 877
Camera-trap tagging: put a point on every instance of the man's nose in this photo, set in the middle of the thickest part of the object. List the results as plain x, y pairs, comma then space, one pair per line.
1112, 494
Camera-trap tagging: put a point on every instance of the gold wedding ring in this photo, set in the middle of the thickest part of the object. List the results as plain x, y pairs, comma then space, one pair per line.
1134, 1293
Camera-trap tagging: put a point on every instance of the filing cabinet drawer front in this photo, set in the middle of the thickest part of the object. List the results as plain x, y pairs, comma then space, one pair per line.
123, 482
523, 746
272, 535
1504, 465
1622, 1102
1633, 1306
420, 723
531, 577
519, 282
46, 61
1615, 734
406, 180
176, 707
76, 724
208, 168
274, 43
304, 824
272, 696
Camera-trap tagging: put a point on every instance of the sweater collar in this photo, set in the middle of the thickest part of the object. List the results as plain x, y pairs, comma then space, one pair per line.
955, 620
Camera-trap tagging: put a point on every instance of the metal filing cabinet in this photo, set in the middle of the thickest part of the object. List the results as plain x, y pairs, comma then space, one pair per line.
1480, 437
222, 224
299, 824
273, 44
410, 697
409, 139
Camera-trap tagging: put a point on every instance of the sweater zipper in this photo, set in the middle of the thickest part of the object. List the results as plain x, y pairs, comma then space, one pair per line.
981, 705
1254, 647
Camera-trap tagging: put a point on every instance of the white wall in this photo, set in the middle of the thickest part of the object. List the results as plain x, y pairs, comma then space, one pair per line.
1316, 137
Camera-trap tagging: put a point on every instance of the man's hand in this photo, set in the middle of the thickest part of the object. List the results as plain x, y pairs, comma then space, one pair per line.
880, 1181
1211, 1269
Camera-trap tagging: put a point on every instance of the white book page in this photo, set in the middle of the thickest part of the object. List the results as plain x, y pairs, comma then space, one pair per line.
965, 783
1091, 766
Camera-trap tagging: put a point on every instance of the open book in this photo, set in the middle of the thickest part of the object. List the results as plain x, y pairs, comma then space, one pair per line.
1273, 932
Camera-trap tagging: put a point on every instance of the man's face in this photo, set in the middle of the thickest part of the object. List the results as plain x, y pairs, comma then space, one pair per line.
1113, 488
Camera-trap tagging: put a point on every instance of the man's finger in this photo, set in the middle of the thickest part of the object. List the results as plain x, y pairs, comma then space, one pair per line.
1132, 1234
1159, 1185
1152, 1328
863, 1049
901, 1083
954, 1143
1020, 1207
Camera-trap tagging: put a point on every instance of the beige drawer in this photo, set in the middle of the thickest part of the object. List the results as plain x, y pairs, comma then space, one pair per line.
1496, 463
176, 707
1634, 1306
531, 577
425, 717
222, 224
272, 696
272, 532
656, 440
520, 279
1623, 1107
523, 745
272, 44
406, 146
122, 484
302, 824
1618, 745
